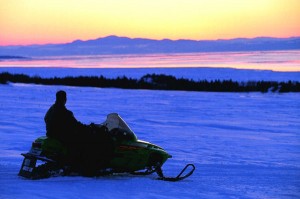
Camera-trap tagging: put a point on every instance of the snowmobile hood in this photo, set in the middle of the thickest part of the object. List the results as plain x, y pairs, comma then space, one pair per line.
151, 146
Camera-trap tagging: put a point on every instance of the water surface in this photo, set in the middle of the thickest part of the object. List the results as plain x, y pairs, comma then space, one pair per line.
258, 60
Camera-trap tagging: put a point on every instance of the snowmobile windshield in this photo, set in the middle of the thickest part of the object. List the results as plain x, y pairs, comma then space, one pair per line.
114, 121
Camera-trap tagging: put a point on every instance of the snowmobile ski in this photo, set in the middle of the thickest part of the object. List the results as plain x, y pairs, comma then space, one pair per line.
179, 176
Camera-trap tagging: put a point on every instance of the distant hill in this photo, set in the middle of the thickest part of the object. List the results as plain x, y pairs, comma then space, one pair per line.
6, 57
124, 45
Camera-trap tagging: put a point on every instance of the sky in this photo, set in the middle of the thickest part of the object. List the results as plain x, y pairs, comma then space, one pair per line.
25, 22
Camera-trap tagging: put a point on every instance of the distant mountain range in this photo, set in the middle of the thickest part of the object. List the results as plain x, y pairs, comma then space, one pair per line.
124, 45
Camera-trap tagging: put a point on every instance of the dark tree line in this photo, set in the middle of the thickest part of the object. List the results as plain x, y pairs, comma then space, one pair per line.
157, 82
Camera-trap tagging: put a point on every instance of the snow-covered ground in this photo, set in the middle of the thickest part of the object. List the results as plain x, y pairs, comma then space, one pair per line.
244, 145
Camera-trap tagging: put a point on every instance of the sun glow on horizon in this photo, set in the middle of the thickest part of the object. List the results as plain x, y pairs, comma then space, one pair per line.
26, 22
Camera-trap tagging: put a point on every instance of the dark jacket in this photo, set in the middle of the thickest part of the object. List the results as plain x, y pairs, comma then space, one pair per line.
61, 123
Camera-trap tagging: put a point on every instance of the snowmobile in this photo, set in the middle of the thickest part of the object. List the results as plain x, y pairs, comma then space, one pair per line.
47, 156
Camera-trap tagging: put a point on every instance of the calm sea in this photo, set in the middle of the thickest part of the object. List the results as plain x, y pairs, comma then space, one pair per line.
241, 66
260, 60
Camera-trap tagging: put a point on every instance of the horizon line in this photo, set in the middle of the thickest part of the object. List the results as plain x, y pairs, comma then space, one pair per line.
219, 39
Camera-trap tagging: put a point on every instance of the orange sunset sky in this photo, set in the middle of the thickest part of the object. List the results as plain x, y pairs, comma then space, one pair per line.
25, 22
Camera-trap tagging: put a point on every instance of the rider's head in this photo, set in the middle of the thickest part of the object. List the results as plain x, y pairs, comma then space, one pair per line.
61, 97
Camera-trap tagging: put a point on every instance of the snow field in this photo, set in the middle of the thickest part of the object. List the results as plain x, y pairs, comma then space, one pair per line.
244, 145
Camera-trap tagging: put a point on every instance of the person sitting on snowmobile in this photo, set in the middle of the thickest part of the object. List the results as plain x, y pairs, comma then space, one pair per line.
60, 122
88, 144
